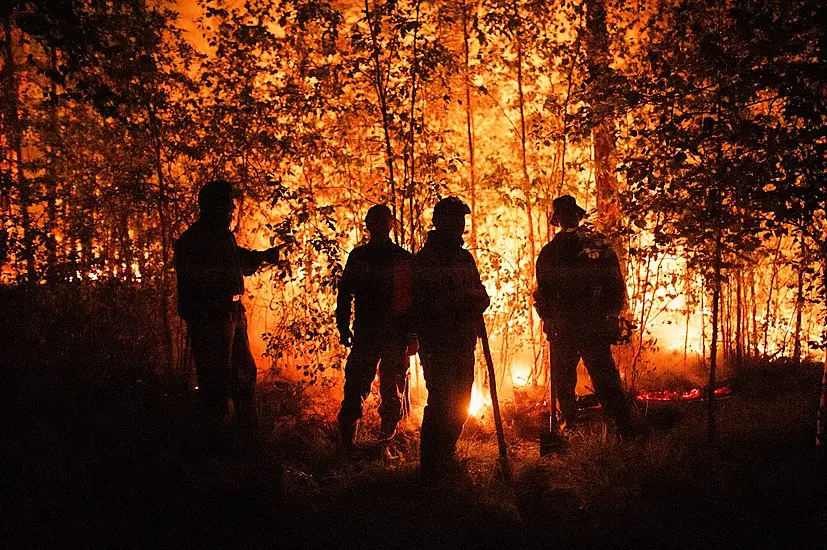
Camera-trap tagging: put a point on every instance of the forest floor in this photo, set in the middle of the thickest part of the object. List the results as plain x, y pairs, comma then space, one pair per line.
98, 452
121, 464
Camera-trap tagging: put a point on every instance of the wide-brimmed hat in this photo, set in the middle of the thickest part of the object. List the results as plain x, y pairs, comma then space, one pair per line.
566, 204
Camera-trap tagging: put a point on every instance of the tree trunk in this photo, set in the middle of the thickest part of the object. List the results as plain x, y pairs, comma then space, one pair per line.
770, 292
799, 304
15, 137
754, 312
821, 425
383, 107
739, 336
469, 126
51, 174
526, 180
605, 154
164, 227
411, 187
713, 348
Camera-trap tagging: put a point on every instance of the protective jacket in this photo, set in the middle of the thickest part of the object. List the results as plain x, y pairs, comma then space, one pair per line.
378, 276
579, 281
210, 267
448, 295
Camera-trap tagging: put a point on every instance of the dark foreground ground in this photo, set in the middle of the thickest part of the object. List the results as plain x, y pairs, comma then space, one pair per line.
118, 465
96, 454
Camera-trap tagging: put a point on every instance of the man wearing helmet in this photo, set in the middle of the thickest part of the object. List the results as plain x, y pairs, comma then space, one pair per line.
449, 300
580, 292
210, 268
377, 277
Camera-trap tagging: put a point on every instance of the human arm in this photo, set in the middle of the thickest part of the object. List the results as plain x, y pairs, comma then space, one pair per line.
344, 305
478, 299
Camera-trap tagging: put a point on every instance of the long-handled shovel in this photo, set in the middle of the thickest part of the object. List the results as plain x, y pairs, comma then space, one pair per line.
495, 404
552, 441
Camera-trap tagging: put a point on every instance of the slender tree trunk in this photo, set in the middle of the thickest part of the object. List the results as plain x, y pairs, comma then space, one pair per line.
770, 292
799, 304
383, 107
164, 227
526, 180
469, 126
15, 137
565, 130
686, 293
821, 425
51, 174
729, 321
411, 188
605, 154
739, 336
713, 348
754, 312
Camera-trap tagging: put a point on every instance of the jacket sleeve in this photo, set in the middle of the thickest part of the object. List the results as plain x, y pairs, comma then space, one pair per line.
249, 260
183, 279
479, 296
344, 297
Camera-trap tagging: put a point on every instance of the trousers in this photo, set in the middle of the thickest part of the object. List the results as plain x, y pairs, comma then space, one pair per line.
449, 378
369, 350
566, 350
224, 363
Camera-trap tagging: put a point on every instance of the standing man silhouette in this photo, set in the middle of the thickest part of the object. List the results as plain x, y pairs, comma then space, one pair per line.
378, 277
210, 268
580, 293
449, 300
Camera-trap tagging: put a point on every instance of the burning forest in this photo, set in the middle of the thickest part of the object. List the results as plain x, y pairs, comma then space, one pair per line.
690, 136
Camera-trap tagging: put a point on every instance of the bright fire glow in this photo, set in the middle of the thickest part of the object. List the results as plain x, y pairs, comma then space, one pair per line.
520, 374
480, 401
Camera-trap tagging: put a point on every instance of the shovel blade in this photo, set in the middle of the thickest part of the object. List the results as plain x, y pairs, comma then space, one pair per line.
552, 442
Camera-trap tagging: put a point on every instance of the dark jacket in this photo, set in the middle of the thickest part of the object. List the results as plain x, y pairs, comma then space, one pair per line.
210, 267
579, 279
449, 297
378, 276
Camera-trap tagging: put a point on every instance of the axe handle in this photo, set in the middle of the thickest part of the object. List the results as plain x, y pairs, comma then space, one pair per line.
492, 382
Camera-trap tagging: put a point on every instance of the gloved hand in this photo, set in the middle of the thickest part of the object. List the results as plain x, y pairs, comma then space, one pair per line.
271, 255
346, 337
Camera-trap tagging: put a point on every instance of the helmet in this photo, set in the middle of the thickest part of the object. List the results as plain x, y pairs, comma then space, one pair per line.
216, 194
450, 206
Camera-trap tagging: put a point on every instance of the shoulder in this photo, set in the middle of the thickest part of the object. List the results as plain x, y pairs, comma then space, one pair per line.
358, 252
546, 250
401, 252
466, 257
187, 237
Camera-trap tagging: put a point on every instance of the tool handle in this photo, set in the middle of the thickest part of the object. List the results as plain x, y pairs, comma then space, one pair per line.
492, 382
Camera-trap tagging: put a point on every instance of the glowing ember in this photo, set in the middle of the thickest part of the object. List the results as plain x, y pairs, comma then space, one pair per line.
671, 395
